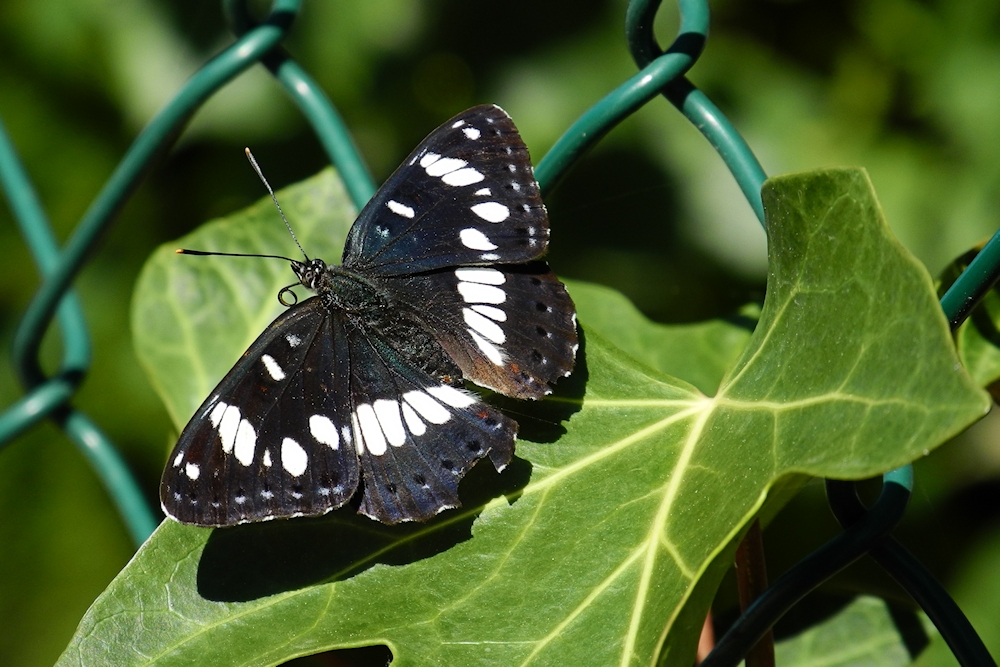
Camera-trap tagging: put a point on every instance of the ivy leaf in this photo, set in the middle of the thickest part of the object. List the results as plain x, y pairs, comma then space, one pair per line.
601, 543
699, 353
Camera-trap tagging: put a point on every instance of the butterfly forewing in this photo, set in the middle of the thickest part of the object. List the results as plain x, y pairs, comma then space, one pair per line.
416, 435
466, 195
267, 442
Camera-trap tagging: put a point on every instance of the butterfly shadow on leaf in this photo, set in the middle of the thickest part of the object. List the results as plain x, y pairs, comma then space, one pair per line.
251, 561
542, 421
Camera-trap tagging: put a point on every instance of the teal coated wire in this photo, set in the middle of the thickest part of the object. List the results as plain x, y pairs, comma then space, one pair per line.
691, 102
37, 232
154, 138
316, 106
973, 283
943, 611
330, 129
814, 569
51, 395
617, 105
114, 474
157, 135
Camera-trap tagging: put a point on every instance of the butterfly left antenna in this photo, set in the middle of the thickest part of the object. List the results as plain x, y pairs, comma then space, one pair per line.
260, 175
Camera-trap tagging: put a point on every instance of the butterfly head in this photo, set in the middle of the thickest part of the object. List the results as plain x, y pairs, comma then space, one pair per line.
309, 272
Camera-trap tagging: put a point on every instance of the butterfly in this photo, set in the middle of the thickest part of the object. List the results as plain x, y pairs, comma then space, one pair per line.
359, 391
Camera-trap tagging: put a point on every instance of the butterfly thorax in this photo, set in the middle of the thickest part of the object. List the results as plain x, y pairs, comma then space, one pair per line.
341, 288
370, 307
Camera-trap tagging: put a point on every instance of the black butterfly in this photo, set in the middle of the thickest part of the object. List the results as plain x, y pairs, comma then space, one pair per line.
363, 383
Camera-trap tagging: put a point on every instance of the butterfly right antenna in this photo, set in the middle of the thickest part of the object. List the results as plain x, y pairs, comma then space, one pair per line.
260, 174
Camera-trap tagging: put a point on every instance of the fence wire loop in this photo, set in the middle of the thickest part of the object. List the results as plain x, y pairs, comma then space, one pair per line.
660, 72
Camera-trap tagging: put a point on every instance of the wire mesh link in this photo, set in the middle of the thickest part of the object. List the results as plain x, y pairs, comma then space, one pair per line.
912, 576
661, 72
152, 141
317, 108
35, 227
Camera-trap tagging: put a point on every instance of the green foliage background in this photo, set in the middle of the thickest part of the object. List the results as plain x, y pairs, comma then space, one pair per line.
906, 88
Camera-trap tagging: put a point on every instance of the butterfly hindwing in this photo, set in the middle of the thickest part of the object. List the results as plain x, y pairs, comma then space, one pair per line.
466, 195
509, 328
269, 441
416, 435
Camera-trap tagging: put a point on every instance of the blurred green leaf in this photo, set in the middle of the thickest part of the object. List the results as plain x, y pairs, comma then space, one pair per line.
862, 633
594, 547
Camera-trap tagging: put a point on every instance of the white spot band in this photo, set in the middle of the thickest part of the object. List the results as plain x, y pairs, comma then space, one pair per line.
491, 211
475, 239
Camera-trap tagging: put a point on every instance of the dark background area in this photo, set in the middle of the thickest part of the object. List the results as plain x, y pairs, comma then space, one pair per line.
909, 89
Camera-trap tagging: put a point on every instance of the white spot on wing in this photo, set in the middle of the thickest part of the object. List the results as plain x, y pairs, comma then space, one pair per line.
444, 165
246, 443
293, 340
345, 433
413, 422
484, 276
471, 133
491, 312
293, 458
475, 239
273, 369
466, 176
483, 192
489, 256
359, 441
399, 209
451, 396
484, 326
477, 293
192, 470
387, 412
267, 458
370, 429
178, 459
216, 414
491, 211
428, 408
324, 431
457, 124
429, 159
228, 426
488, 349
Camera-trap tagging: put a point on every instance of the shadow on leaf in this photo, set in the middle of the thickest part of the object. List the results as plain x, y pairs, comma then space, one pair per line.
542, 421
251, 561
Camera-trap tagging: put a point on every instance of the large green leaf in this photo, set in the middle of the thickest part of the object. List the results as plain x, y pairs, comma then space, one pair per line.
599, 544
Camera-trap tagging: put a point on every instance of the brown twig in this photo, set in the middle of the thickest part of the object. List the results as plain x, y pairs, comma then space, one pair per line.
707, 640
